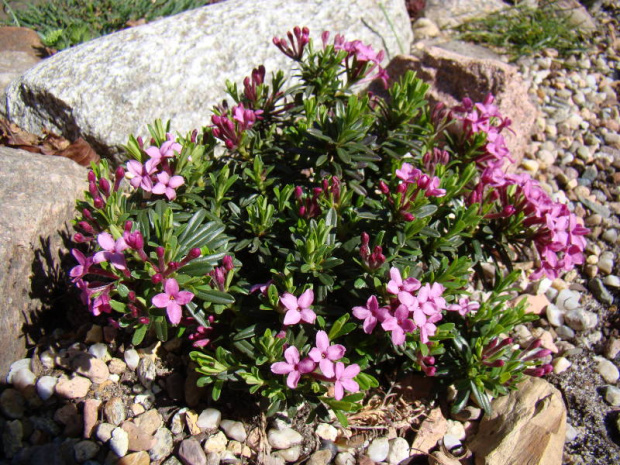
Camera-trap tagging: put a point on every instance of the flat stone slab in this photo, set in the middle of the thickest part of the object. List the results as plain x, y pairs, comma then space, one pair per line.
37, 200
176, 68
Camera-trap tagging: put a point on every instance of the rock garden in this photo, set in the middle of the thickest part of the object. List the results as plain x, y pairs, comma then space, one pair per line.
310, 232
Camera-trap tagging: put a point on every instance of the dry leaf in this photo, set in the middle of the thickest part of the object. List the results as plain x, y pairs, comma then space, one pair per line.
432, 429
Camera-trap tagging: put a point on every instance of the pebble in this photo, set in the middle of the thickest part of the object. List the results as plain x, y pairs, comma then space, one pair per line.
567, 300
115, 411
16, 366
581, 320
164, 445
94, 335
209, 419
74, 388
378, 449
104, 431
612, 281
85, 450
138, 440
146, 372
91, 415
564, 332
100, 351
23, 379
612, 348
345, 458
612, 395
327, 432
191, 453
119, 442
216, 443
45, 386
117, 366
47, 360
320, 457
177, 423
600, 291
149, 422
132, 359
284, 438
12, 435
456, 429
607, 370
560, 365
12, 403
137, 458
399, 450
555, 316
291, 454
571, 433
234, 430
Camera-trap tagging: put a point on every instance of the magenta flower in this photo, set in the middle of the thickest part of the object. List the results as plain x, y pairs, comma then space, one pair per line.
298, 309
293, 367
140, 175
101, 303
344, 379
408, 173
325, 354
167, 185
83, 267
167, 149
371, 314
172, 299
397, 284
399, 324
112, 251
464, 306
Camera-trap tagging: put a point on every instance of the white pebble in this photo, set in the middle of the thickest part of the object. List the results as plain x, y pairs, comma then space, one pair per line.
456, 429
560, 365
45, 386
284, 438
119, 442
555, 316
327, 432
399, 451
100, 351
581, 320
47, 359
612, 396
571, 433
15, 367
234, 430
291, 454
607, 370
345, 458
378, 449
209, 418
132, 359
114, 378
612, 281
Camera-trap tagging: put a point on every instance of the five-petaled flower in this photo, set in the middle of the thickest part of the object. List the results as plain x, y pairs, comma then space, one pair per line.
298, 309
325, 354
293, 367
371, 314
172, 299
112, 251
344, 379
167, 185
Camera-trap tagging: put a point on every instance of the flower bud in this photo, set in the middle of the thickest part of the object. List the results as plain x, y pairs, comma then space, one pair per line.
128, 226
194, 253
160, 251
91, 176
98, 203
86, 227
87, 214
79, 238
156, 278
365, 238
104, 185
227, 261
131, 296
383, 187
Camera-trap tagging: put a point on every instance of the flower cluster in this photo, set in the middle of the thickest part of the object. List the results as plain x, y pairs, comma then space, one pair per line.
230, 129
147, 176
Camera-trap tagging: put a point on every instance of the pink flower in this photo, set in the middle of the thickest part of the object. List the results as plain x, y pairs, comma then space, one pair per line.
344, 379
101, 303
371, 314
172, 299
81, 270
112, 251
396, 284
464, 306
167, 149
399, 324
325, 354
140, 175
167, 185
298, 309
293, 367
408, 173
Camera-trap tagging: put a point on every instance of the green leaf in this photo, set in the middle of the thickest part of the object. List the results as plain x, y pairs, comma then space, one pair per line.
138, 335
214, 296
338, 327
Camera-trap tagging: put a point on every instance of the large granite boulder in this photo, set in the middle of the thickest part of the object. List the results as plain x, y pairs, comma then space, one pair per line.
176, 68
471, 73
37, 199
450, 13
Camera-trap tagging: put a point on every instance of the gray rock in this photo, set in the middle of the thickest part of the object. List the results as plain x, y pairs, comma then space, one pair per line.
378, 449
104, 431
32, 213
216, 443
284, 438
110, 87
163, 447
132, 359
209, 419
290, 455
450, 13
599, 291
234, 430
581, 320
12, 403
100, 351
191, 453
85, 450
555, 316
12, 436
146, 372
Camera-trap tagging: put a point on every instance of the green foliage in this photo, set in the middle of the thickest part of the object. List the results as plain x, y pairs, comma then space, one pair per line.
65, 23
522, 30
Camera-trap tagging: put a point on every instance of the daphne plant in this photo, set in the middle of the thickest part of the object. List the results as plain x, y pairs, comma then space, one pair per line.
312, 242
